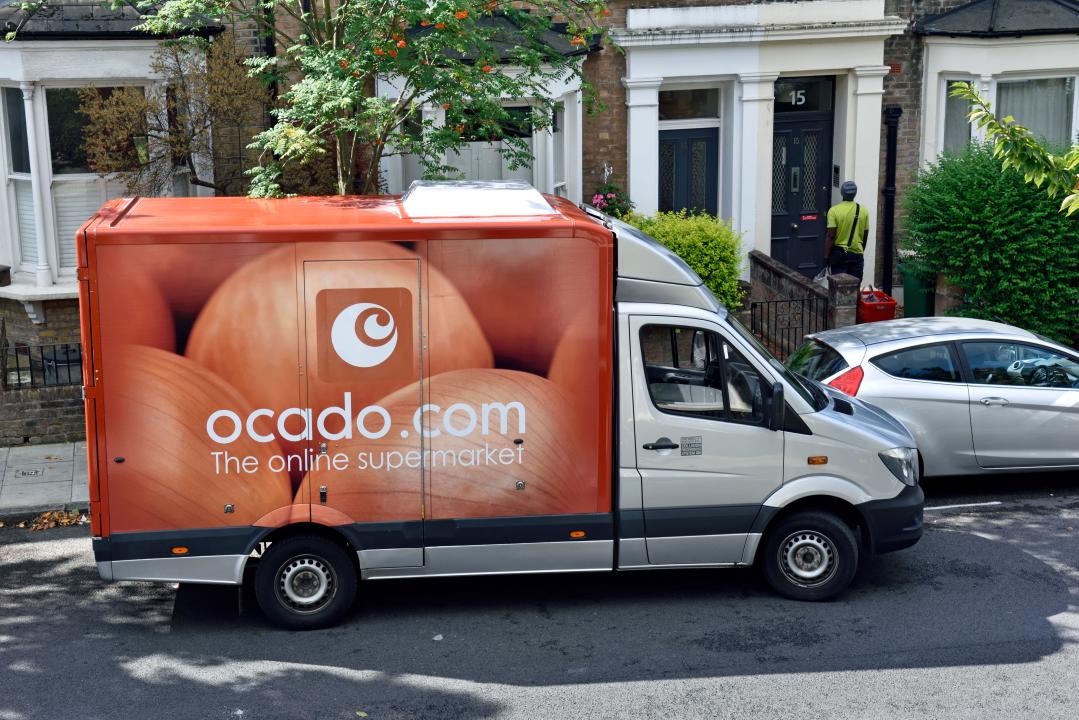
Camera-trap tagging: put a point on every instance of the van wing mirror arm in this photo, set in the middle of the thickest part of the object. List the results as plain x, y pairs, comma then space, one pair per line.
777, 408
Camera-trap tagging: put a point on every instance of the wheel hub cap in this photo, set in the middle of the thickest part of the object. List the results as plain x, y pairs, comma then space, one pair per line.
306, 583
808, 558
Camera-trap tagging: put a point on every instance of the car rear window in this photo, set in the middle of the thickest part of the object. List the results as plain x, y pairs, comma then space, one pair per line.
925, 362
816, 361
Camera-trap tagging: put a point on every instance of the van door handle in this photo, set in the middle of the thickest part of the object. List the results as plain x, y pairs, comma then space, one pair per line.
988, 401
661, 444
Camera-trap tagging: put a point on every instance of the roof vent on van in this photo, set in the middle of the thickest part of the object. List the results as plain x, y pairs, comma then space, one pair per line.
474, 198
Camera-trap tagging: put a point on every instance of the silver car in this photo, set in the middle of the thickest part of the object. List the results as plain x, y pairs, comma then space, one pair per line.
978, 396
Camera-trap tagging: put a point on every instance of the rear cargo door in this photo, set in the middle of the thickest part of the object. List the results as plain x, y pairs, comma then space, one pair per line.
363, 367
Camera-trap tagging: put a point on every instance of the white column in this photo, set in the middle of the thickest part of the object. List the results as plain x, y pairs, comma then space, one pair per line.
574, 146
642, 138
42, 273
864, 167
753, 168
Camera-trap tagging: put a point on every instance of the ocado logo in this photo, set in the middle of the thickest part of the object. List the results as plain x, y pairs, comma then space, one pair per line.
364, 335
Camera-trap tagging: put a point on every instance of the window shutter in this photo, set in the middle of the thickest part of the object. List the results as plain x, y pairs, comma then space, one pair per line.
74, 203
24, 212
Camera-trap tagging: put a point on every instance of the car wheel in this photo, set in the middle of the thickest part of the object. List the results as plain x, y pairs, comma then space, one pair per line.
810, 556
305, 582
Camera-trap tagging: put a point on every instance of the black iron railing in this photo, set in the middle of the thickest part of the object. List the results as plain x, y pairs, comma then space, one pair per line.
36, 366
783, 324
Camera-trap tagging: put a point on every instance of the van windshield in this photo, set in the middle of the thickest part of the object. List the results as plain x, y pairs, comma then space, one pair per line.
817, 399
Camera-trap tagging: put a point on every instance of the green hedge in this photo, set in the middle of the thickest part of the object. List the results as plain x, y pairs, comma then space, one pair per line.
708, 245
1003, 242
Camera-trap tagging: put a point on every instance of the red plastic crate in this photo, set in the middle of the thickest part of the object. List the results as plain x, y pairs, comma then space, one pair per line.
874, 305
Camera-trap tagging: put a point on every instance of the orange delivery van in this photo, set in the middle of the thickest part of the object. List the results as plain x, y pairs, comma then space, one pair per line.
326, 390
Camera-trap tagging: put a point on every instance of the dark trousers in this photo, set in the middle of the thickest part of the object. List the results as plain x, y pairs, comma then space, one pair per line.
843, 261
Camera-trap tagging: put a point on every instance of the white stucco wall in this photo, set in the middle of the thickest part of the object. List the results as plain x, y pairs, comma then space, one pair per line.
743, 50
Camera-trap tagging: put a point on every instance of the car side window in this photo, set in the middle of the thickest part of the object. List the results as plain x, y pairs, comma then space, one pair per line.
1012, 363
925, 362
691, 371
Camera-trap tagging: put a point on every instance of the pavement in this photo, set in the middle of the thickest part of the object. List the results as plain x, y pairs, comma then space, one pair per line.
35, 478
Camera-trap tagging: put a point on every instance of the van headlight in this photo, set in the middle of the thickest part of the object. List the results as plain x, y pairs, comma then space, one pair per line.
903, 462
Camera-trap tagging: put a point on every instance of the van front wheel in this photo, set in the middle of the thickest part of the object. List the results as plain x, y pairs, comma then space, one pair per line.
305, 582
810, 556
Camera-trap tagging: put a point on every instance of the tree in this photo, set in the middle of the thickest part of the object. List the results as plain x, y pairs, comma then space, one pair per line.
144, 135
998, 238
465, 56
1017, 147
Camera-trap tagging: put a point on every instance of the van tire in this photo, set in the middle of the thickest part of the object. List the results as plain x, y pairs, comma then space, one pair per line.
305, 582
810, 556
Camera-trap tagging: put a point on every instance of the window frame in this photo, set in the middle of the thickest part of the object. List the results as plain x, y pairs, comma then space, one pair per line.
953, 352
1024, 76
723, 340
942, 120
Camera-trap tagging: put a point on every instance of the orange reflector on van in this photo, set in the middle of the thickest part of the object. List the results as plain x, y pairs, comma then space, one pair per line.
817, 459
179, 550
576, 533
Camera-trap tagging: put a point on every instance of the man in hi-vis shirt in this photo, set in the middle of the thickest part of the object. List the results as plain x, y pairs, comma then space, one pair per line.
848, 233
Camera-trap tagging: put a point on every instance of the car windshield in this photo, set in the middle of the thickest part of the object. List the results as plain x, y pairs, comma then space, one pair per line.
809, 393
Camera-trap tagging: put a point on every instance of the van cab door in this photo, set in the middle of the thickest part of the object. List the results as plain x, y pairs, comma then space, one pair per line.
705, 454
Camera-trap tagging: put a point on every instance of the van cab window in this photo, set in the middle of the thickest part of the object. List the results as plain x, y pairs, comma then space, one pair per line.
691, 371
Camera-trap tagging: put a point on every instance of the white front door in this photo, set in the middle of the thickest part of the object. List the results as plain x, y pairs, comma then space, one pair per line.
706, 456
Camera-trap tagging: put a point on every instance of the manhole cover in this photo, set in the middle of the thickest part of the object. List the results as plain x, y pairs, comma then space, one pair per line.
36, 472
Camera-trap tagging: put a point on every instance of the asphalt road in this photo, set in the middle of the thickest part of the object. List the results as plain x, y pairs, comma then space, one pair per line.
979, 620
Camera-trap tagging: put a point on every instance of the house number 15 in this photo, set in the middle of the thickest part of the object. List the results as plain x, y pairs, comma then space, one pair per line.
798, 97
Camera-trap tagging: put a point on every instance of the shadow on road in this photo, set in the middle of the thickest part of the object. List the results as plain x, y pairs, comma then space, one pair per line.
957, 598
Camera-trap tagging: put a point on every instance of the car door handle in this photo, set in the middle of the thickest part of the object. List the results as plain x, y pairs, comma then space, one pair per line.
988, 401
661, 444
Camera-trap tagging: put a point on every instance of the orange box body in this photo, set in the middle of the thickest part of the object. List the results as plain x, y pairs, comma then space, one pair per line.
256, 363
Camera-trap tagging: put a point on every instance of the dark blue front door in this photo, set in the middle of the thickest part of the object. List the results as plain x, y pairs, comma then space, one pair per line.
689, 170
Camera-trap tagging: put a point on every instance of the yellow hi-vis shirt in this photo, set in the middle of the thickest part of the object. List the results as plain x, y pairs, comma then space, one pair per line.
840, 217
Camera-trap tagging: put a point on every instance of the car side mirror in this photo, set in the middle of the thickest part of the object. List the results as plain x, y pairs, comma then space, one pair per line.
777, 408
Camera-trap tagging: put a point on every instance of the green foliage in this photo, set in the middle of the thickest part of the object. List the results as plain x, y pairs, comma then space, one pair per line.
708, 245
612, 199
455, 55
998, 238
1019, 150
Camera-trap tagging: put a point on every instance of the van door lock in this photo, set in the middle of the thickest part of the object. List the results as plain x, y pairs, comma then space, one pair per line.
322, 490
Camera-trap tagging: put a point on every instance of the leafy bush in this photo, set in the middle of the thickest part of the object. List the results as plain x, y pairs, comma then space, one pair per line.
1000, 240
612, 200
708, 245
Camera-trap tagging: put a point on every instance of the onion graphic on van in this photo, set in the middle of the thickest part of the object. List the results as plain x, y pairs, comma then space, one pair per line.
369, 347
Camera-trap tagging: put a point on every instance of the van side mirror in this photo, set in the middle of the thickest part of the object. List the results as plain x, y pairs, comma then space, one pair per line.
777, 408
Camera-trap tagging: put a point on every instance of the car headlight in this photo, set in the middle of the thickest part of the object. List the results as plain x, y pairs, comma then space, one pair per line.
903, 462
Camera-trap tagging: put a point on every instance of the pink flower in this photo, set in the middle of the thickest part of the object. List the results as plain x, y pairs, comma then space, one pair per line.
610, 196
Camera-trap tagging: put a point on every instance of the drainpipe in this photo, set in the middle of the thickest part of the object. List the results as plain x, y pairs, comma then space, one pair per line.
891, 121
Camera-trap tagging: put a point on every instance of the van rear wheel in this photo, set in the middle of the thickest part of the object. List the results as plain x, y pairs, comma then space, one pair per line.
810, 556
305, 582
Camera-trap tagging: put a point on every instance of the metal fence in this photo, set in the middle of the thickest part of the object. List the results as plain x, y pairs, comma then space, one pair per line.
36, 366
782, 324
